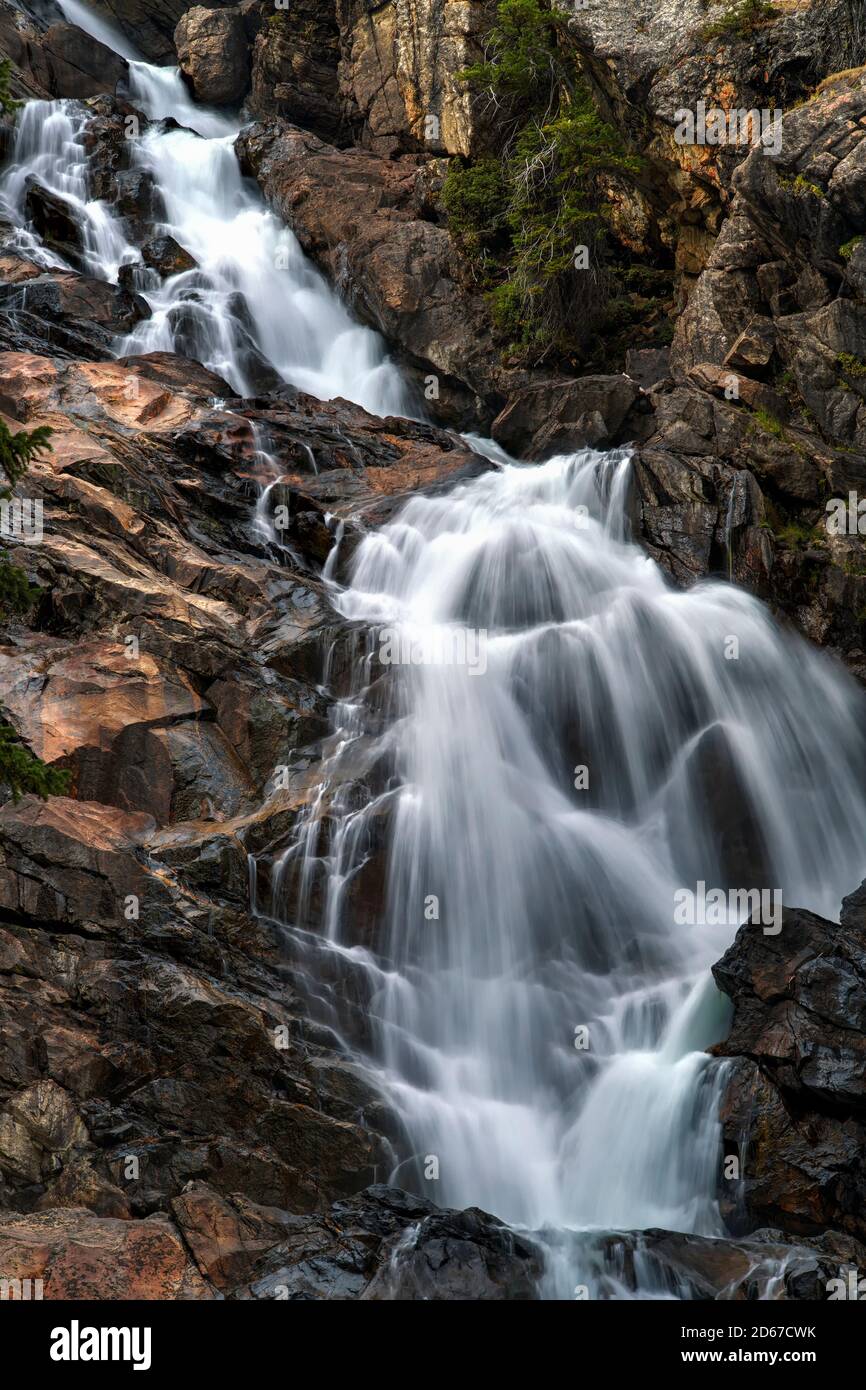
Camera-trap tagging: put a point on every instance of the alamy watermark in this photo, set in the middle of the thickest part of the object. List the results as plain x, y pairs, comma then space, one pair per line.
714, 907
21, 519
442, 646
755, 127
846, 516
850, 1288
21, 1290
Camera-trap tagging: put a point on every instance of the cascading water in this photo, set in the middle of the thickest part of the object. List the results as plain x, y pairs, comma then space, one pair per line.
526, 902
254, 311
50, 151
564, 743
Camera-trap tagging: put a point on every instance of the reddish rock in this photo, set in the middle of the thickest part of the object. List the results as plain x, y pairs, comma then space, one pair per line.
81, 1256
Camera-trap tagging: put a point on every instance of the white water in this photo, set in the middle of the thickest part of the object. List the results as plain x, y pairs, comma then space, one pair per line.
49, 149
555, 905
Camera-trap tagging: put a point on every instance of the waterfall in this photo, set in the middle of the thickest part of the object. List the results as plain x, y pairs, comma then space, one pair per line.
549, 752
564, 748
254, 310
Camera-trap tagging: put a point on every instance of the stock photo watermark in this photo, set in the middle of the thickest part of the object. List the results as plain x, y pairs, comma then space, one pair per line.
461, 647
714, 907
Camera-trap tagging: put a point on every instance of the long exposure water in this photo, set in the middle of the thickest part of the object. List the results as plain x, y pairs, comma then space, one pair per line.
562, 748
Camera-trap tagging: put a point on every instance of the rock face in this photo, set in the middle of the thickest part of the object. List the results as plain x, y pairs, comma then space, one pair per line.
151, 1035
398, 73
770, 1265
381, 76
56, 222
790, 265
80, 1256
295, 60
795, 1102
149, 25
380, 1245
60, 61
648, 61
561, 416
212, 53
166, 255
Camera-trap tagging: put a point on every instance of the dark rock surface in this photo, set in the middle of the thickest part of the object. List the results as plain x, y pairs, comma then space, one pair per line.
56, 223
769, 1265
166, 255
795, 1099
57, 61
558, 417
295, 62
149, 25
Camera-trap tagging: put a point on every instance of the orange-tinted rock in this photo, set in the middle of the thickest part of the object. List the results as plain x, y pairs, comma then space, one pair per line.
227, 1235
81, 1256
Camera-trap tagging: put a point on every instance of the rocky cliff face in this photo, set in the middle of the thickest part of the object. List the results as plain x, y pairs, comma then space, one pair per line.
794, 1106
172, 1095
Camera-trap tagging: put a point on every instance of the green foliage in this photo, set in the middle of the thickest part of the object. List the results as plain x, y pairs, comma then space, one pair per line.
521, 57
801, 186
475, 197
740, 20
19, 769
7, 102
794, 535
22, 772
846, 251
17, 451
532, 216
854, 366
769, 423
17, 594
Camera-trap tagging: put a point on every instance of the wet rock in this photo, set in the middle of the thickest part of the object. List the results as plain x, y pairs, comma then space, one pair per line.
386, 1244
802, 1170
137, 200
800, 1006
97, 310
559, 417
794, 1107
56, 222
166, 256
770, 1265
212, 53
